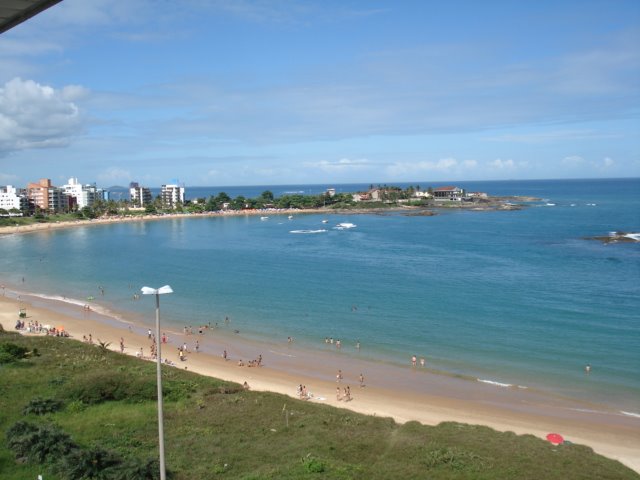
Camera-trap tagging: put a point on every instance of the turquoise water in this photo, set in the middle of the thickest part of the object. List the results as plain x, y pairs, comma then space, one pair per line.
515, 297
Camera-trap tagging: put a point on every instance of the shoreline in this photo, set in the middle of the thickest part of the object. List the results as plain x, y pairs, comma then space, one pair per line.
496, 204
405, 395
40, 227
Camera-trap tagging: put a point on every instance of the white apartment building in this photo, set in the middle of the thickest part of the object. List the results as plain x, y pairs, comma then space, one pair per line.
85, 195
140, 196
172, 195
11, 197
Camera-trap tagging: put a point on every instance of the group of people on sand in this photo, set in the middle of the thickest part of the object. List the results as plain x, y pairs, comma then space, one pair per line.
36, 327
347, 394
344, 394
303, 393
252, 363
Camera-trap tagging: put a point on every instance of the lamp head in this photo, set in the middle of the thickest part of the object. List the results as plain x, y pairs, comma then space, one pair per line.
156, 291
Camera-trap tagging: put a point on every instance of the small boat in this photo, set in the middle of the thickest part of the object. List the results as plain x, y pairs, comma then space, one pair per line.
264, 218
290, 217
344, 226
325, 221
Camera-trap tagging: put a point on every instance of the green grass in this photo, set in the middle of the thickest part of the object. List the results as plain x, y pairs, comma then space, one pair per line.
215, 430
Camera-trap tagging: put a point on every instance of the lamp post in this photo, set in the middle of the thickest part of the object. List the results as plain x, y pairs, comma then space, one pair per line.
157, 292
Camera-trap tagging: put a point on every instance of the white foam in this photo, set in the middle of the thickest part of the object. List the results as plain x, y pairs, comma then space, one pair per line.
633, 236
80, 303
630, 414
497, 384
550, 204
344, 226
307, 231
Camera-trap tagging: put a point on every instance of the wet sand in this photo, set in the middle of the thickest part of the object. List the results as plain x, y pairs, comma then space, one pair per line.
401, 393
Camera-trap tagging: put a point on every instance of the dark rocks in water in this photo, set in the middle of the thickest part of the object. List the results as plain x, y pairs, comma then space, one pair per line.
421, 213
617, 237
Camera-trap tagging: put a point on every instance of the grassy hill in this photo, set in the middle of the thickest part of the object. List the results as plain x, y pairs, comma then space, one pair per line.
94, 413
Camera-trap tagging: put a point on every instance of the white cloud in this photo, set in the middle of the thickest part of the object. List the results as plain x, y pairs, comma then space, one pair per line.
38, 116
470, 164
607, 162
500, 164
443, 165
341, 165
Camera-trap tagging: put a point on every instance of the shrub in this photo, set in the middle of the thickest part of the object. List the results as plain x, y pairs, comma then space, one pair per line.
94, 462
76, 406
10, 352
313, 465
41, 406
39, 443
140, 470
98, 387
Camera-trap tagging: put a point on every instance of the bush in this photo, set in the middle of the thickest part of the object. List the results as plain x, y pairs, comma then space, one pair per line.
140, 470
48, 444
10, 352
94, 462
313, 465
39, 443
41, 406
98, 387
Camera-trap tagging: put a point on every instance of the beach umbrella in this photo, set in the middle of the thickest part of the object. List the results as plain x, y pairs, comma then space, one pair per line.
555, 438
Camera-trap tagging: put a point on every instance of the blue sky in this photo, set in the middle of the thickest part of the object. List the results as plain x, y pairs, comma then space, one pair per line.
226, 92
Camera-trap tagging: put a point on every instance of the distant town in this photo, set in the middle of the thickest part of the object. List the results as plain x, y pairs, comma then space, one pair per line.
85, 201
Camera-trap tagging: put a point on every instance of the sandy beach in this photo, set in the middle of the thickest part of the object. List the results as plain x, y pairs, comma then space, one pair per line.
403, 394
39, 227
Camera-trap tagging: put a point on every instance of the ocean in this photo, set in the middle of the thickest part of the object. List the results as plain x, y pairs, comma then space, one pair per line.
505, 297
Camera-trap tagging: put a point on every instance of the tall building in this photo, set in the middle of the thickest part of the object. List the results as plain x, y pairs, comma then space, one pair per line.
140, 196
38, 193
11, 197
47, 197
172, 195
84, 195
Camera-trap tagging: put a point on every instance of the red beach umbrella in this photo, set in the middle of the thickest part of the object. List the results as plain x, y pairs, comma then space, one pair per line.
555, 438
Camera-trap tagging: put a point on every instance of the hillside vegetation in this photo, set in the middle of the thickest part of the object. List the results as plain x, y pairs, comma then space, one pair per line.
72, 410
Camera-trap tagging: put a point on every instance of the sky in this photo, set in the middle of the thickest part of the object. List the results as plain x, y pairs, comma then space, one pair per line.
272, 92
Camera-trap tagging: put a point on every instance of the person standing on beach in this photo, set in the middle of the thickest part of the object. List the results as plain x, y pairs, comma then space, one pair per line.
414, 360
121, 345
197, 346
339, 376
338, 394
224, 355
361, 380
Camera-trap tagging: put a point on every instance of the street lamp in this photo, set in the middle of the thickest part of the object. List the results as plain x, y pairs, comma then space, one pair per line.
157, 292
